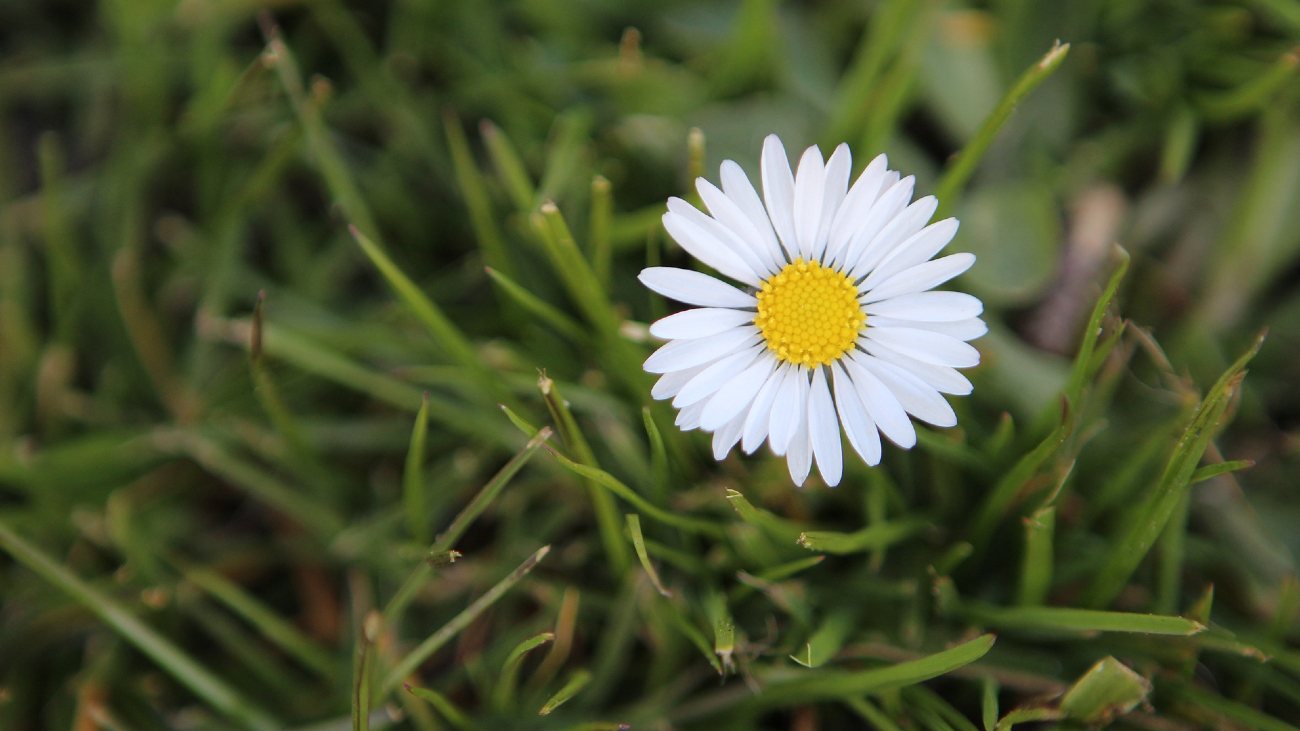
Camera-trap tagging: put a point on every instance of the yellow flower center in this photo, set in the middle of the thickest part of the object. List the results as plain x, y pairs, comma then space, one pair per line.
809, 314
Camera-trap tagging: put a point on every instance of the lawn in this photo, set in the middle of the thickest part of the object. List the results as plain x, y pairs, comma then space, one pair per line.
322, 398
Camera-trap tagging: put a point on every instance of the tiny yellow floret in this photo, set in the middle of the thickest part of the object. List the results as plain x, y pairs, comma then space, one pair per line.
809, 314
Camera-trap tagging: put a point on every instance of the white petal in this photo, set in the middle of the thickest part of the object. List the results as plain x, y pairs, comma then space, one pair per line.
778, 192
800, 460
858, 425
809, 190
919, 247
680, 354
968, 329
916, 397
738, 188
694, 288
689, 417
919, 278
892, 237
726, 437
708, 248
708, 381
728, 214
824, 430
942, 378
760, 414
738, 393
926, 346
924, 306
705, 321
786, 409
669, 384
729, 238
892, 202
883, 406
835, 186
855, 207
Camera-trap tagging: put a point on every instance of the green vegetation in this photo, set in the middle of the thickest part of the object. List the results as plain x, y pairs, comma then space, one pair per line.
321, 403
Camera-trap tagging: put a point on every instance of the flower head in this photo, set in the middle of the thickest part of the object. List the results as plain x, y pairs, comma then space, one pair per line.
835, 326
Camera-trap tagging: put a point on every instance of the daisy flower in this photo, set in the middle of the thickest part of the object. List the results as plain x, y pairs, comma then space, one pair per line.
833, 326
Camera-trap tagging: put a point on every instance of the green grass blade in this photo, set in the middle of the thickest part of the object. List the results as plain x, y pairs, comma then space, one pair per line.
448, 538
1107, 690
414, 499
363, 671
443, 330
449, 711
963, 166
474, 191
576, 682
638, 542
509, 166
179, 665
506, 684
816, 685
1159, 506
576, 443
425, 650
1211, 471
1036, 564
872, 538
783, 531
603, 478
826, 641
1080, 372
1064, 619
539, 308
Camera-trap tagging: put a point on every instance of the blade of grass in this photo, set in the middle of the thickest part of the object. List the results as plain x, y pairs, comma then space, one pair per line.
872, 538
964, 164
598, 241
504, 692
449, 711
467, 515
179, 665
603, 478
783, 531
1080, 372
1210, 471
509, 166
638, 542
1231, 710
425, 650
1069, 620
444, 331
542, 310
871, 714
1159, 506
818, 685
576, 682
826, 641
658, 455
474, 191
363, 669
414, 499
576, 443
1036, 564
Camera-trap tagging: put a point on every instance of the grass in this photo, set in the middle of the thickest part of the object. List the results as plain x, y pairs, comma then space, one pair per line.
321, 403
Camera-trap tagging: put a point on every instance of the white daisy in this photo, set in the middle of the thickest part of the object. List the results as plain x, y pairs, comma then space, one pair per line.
834, 326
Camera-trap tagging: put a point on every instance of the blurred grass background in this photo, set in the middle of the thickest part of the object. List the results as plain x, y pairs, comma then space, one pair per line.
226, 510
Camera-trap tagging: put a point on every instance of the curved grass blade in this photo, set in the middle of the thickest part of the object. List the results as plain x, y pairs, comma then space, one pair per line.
575, 684
183, 668
1064, 619
504, 693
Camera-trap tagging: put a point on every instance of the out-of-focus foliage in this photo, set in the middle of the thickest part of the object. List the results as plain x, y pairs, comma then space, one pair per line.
225, 512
